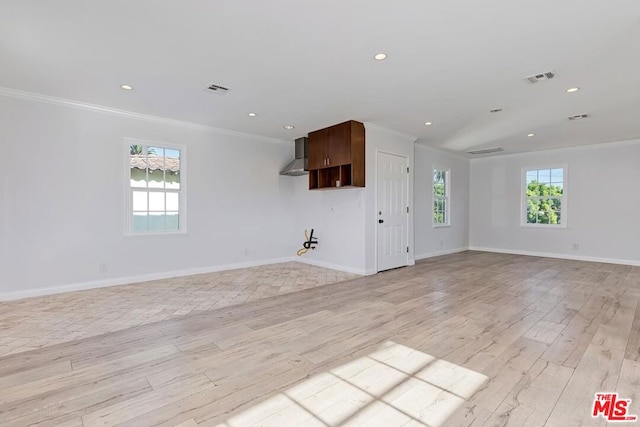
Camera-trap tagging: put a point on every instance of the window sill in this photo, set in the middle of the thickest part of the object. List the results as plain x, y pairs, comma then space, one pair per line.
155, 235
547, 226
441, 225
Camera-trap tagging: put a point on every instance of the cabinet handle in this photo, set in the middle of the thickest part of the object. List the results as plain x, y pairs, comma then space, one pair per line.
328, 162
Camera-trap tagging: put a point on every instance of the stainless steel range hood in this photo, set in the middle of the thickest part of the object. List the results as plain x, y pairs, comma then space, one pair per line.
299, 165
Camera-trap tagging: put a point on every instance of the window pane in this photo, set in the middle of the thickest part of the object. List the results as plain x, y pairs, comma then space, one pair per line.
556, 206
156, 176
172, 171
156, 221
155, 151
156, 201
138, 165
172, 221
139, 201
438, 176
140, 222
172, 201
557, 175
533, 206
172, 180
534, 189
155, 161
532, 176
171, 154
544, 175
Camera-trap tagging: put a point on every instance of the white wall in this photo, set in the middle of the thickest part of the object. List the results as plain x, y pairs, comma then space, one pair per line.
602, 199
337, 217
63, 193
429, 240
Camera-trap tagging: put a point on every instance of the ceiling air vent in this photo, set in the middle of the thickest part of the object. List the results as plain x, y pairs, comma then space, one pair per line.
540, 77
485, 150
221, 90
578, 117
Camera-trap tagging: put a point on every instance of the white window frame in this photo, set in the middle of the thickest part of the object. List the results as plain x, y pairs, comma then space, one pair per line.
565, 190
447, 197
182, 192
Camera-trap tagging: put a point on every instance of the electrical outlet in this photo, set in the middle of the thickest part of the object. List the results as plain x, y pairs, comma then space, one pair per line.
576, 246
103, 268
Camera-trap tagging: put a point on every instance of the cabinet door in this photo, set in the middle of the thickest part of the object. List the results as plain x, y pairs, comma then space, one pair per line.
339, 144
317, 149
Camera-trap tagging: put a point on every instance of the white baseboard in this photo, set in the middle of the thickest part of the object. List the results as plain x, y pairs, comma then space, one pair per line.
440, 253
332, 266
558, 256
7, 296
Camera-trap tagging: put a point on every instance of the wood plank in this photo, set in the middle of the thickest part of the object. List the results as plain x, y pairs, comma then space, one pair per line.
146, 402
632, 350
531, 401
598, 371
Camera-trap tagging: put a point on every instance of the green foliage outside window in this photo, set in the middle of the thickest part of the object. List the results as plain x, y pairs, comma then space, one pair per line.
544, 199
439, 196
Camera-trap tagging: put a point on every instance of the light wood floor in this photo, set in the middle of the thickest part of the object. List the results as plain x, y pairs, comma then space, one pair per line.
472, 339
39, 322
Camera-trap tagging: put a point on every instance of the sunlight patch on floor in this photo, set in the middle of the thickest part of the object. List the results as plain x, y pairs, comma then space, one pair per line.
394, 386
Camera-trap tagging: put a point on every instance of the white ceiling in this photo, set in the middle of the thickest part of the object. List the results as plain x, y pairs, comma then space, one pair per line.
311, 64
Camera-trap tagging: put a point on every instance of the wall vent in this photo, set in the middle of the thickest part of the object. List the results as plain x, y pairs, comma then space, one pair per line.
221, 90
578, 117
540, 77
486, 150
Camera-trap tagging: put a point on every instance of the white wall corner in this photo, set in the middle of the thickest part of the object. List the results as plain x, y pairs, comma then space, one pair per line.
332, 266
440, 253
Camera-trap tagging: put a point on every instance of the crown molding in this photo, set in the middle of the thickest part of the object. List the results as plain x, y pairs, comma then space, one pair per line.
446, 153
71, 103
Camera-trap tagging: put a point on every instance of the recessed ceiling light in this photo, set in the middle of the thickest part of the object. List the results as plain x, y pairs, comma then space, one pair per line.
573, 89
252, 114
428, 123
288, 127
531, 134
126, 87
495, 110
380, 56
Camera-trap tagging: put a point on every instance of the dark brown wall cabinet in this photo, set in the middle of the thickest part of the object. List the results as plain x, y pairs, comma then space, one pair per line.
336, 156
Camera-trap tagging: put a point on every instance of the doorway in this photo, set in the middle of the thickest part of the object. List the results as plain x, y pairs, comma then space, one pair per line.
392, 210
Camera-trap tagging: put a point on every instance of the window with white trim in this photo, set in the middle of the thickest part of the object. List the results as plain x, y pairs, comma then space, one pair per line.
441, 197
156, 195
544, 197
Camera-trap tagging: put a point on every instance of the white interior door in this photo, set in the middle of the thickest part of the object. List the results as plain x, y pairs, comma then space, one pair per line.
392, 191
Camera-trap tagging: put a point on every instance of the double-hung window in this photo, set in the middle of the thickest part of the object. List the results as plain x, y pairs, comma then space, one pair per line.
441, 197
544, 197
156, 194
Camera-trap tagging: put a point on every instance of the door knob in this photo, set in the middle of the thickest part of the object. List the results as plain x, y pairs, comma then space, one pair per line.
380, 221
